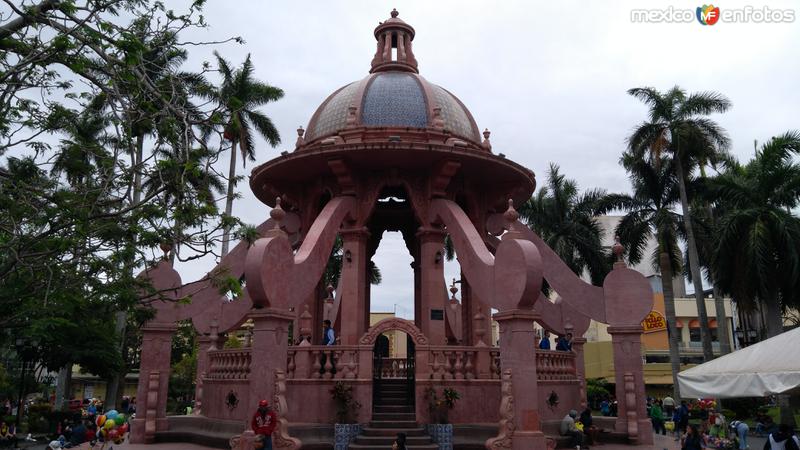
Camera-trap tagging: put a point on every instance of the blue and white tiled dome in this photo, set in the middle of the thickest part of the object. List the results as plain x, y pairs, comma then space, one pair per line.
392, 99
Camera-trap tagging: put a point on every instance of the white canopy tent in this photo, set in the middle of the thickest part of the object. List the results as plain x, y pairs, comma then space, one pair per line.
768, 367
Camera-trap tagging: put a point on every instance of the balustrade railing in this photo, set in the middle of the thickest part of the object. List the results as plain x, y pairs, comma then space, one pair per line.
353, 361
325, 362
229, 364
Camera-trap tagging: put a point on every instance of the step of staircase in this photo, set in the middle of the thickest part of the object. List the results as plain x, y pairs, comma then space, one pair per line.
393, 402
393, 409
393, 416
394, 424
388, 447
387, 440
369, 431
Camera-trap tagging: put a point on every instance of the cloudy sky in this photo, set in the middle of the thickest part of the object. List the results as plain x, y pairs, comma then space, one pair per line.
547, 78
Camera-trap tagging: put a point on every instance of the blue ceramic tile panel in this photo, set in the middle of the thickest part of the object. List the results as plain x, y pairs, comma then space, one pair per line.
333, 116
455, 118
394, 99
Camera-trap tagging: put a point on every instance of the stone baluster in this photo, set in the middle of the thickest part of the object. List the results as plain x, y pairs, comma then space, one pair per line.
338, 363
448, 366
492, 366
352, 365
469, 369
458, 368
291, 364
328, 369
317, 367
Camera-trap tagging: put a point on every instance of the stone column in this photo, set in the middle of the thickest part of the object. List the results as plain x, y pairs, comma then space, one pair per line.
151, 394
433, 300
517, 354
270, 344
629, 373
353, 285
204, 344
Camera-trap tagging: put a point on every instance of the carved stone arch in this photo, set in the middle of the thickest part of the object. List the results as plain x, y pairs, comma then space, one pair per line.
394, 323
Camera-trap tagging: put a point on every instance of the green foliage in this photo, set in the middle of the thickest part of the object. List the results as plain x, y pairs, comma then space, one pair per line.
757, 252
95, 187
346, 406
597, 389
232, 341
565, 220
439, 407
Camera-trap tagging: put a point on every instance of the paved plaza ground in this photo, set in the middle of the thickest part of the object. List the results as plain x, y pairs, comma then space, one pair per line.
661, 443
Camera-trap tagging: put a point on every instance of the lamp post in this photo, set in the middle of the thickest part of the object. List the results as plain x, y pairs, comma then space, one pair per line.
24, 348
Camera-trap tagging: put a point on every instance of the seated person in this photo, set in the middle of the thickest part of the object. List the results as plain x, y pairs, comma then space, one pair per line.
78, 434
8, 434
568, 428
589, 429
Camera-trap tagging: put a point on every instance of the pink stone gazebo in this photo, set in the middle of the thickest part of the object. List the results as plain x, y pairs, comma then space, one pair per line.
394, 152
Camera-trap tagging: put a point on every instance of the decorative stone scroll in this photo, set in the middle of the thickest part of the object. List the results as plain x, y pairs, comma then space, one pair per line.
505, 433
280, 437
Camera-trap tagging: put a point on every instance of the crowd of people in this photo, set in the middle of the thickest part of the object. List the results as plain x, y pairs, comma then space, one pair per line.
563, 342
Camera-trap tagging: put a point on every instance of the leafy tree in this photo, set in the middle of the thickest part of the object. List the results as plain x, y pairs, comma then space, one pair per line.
239, 96
678, 127
650, 216
566, 220
757, 254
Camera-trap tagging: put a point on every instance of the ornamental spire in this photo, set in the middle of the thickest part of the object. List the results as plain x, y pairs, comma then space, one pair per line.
394, 46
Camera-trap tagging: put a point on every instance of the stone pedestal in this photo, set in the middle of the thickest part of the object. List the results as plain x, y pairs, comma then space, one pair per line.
270, 344
632, 417
518, 355
154, 372
580, 366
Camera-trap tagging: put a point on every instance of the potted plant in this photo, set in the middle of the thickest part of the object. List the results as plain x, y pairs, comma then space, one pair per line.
346, 427
439, 406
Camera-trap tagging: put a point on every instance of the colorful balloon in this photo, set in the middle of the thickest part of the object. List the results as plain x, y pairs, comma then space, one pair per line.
121, 417
113, 434
123, 428
101, 419
109, 424
112, 414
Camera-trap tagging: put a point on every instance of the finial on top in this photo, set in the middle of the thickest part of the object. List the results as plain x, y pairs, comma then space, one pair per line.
394, 13
453, 288
277, 214
166, 247
511, 215
618, 250
300, 139
486, 144
330, 293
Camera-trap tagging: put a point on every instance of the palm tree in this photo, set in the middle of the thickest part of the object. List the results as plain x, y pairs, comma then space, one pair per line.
82, 153
678, 127
186, 185
565, 220
239, 96
650, 216
757, 252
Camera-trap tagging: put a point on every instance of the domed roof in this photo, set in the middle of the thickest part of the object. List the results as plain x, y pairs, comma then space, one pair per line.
393, 99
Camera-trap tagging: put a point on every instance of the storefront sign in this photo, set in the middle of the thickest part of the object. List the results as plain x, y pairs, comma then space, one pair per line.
654, 321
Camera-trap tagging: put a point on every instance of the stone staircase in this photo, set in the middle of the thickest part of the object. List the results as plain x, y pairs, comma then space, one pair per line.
392, 413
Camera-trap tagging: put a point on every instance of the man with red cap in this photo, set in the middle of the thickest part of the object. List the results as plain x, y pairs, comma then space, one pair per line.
263, 423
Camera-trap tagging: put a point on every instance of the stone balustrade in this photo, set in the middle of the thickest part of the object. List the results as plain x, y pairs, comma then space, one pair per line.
445, 362
554, 365
229, 364
326, 362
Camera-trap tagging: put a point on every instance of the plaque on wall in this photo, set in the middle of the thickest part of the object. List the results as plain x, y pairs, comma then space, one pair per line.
437, 314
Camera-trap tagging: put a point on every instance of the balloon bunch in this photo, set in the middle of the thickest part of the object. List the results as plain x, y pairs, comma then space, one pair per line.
111, 427
707, 403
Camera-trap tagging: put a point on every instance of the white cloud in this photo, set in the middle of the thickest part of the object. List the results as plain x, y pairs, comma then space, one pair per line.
548, 78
